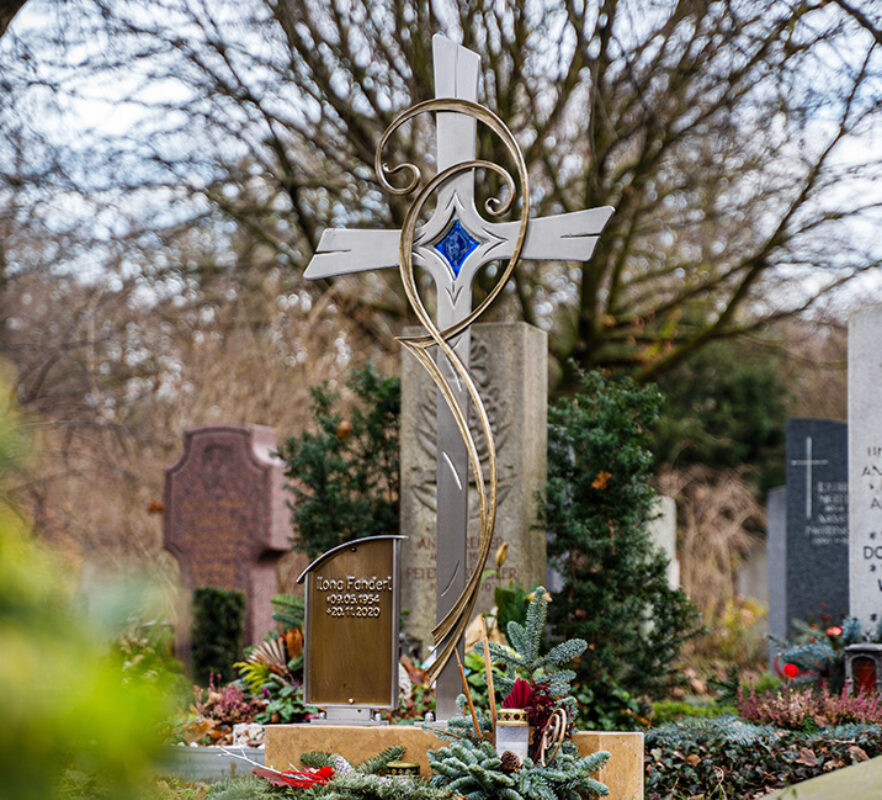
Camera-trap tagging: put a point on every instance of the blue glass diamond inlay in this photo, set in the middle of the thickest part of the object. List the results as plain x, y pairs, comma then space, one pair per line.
456, 246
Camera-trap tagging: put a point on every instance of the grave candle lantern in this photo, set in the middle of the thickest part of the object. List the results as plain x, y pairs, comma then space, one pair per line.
863, 667
513, 732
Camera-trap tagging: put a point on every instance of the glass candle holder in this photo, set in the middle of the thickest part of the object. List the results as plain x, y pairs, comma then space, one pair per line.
513, 732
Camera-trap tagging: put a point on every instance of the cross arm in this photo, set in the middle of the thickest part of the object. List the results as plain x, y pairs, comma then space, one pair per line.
563, 237
342, 250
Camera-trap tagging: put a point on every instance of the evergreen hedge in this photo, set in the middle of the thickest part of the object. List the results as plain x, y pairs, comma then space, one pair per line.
615, 594
216, 642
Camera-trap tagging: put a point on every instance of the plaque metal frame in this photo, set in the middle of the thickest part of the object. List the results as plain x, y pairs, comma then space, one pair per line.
359, 713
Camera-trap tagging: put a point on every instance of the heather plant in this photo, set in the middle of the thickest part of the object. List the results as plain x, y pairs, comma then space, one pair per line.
228, 703
808, 709
213, 714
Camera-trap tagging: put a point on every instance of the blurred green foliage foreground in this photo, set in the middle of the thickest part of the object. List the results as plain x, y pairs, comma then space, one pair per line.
72, 726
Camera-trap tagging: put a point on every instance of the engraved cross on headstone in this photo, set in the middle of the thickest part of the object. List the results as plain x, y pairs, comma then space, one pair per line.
808, 462
453, 245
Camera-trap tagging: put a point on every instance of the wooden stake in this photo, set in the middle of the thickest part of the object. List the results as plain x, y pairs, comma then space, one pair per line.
491, 691
468, 694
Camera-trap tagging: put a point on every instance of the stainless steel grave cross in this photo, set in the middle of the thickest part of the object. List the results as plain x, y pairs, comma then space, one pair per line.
453, 244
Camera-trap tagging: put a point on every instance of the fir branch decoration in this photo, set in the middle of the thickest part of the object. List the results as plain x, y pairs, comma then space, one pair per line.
548, 673
476, 771
245, 788
372, 787
316, 759
378, 763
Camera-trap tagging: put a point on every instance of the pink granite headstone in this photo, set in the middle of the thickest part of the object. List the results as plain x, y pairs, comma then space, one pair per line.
226, 518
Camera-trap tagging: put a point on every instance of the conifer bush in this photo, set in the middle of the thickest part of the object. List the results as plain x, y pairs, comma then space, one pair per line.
344, 473
615, 594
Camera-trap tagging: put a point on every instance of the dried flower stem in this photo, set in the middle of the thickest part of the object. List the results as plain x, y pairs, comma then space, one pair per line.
468, 694
491, 691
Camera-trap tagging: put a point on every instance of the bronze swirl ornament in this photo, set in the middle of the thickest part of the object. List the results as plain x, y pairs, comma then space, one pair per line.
451, 628
553, 735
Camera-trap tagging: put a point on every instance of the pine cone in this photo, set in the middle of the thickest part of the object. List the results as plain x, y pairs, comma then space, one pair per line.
510, 762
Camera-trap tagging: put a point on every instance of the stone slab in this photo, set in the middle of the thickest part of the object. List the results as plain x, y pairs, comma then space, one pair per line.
662, 529
859, 782
509, 366
285, 743
206, 764
865, 466
776, 544
623, 773
752, 577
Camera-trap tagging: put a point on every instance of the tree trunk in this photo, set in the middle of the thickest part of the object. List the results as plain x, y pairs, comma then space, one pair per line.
8, 9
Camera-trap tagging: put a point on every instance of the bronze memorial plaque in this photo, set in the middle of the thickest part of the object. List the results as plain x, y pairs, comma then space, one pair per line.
351, 654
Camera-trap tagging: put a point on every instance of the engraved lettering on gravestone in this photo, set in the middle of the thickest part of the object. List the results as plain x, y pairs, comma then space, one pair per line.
832, 518
215, 468
453, 245
871, 477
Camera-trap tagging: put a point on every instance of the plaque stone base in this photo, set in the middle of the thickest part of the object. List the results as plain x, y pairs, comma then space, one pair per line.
623, 773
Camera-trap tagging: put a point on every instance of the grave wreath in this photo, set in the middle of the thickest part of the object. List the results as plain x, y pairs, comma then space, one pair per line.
540, 686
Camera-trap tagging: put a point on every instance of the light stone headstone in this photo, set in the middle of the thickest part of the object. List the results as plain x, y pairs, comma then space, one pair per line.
776, 547
662, 529
509, 362
752, 577
808, 555
865, 466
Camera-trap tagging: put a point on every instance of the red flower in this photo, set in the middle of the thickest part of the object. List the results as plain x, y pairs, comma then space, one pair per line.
791, 670
303, 780
520, 696
542, 706
834, 631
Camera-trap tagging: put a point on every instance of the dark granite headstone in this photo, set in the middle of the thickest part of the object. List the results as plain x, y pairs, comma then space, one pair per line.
226, 519
808, 558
